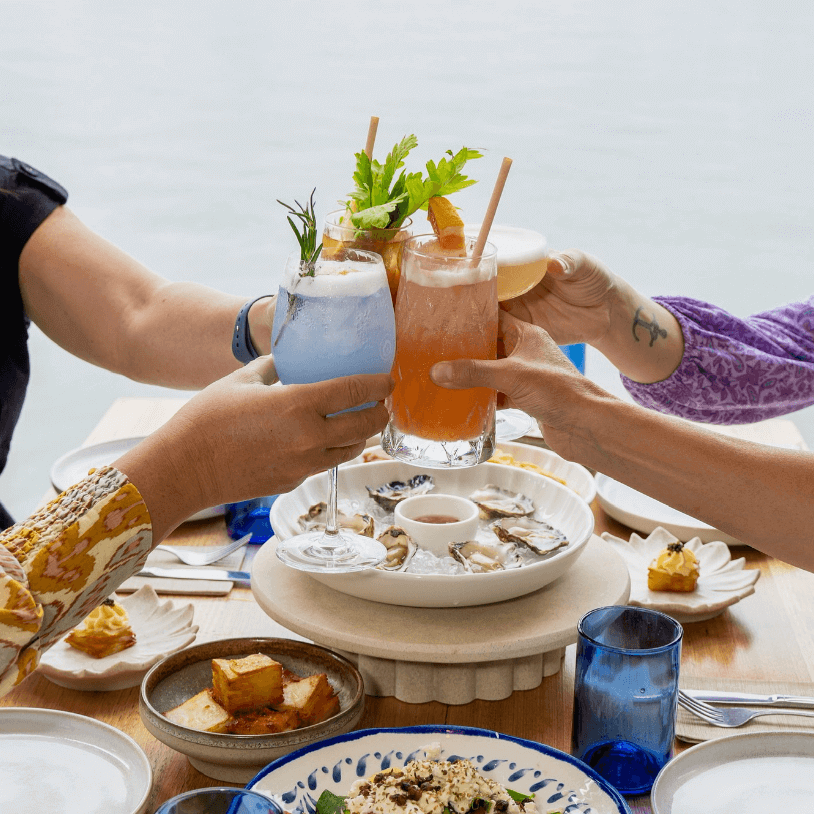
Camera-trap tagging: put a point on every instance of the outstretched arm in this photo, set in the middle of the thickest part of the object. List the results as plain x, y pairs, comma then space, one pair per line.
237, 439
103, 306
580, 300
760, 495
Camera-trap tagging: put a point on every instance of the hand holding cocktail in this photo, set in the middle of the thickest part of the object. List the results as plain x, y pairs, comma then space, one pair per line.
334, 318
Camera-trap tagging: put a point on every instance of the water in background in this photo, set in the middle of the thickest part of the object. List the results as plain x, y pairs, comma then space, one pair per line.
673, 140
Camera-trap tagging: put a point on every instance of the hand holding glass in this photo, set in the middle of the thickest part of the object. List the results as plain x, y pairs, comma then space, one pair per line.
333, 320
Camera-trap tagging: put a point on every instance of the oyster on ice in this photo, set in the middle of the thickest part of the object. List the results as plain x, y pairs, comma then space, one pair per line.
537, 535
389, 494
400, 549
480, 558
317, 517
496, 502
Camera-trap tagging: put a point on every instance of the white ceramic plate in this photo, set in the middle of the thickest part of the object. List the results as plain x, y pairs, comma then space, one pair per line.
645, 514
563, 508
160, 628
576, 476
74, 465
747, 773
557, 780
722, 581
62, 763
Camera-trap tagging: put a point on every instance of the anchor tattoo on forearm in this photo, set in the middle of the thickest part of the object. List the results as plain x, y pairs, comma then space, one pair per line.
652, 327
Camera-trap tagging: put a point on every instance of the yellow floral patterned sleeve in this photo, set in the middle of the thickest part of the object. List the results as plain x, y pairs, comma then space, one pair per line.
63, 561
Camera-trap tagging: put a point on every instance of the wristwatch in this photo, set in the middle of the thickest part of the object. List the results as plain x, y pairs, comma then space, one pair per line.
242, 347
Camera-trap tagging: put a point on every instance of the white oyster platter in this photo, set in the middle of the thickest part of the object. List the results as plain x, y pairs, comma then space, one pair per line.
423, 582
722, 581
160, 628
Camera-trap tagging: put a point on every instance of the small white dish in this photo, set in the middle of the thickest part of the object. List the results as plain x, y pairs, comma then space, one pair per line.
555, 503
747, 773
74, 466
63, 763
558, 781
160, 628
436, 537
576, 476
722, 581
646, 514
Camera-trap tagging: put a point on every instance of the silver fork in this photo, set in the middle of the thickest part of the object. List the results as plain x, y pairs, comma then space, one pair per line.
731, 716
203, 557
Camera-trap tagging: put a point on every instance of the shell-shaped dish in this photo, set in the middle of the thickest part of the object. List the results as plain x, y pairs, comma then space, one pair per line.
722, 581
160, 628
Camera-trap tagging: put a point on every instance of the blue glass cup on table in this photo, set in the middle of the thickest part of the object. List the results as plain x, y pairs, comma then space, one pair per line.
219, 800
625, 694
250, 517
333, 318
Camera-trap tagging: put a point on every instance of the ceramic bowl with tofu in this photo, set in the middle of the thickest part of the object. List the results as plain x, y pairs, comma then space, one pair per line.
233, 706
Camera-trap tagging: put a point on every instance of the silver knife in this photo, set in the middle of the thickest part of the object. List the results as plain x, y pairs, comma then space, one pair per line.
752, 699
220, 574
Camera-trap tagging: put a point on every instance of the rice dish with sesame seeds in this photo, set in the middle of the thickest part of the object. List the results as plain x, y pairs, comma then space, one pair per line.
430, 786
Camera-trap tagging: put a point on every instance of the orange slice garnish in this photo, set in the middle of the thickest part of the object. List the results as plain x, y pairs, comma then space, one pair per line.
447, 225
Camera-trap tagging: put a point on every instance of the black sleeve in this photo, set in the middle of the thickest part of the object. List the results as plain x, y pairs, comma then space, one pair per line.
27, 197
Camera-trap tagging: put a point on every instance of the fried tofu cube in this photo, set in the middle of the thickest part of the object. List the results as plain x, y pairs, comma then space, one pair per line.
248, 683
264, 722
201, 712
312, 697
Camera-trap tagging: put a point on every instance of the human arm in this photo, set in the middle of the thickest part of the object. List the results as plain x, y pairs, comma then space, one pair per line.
761, 495
103, 306
237, 439
580, 300
680, 355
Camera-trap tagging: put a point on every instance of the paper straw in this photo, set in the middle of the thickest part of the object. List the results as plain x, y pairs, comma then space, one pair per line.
486, 225
371, 136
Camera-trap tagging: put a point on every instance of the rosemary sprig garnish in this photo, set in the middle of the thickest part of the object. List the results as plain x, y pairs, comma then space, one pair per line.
309, 251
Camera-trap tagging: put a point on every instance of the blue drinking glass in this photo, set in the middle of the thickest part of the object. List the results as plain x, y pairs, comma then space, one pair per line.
219, 800
250, 517
625, 694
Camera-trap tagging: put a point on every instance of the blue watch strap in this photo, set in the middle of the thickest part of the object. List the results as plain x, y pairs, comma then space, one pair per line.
242, 347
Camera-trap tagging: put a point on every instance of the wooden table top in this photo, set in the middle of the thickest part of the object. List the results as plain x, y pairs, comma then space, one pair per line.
768, 637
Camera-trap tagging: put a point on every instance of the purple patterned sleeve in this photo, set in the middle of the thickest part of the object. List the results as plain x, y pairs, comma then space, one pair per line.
736, 371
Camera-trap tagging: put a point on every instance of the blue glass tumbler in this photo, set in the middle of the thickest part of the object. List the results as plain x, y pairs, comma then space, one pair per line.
250, 517
220, 800
625, 694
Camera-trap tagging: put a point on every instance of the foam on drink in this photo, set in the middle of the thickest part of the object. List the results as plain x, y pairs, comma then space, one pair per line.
522, 258
332, 278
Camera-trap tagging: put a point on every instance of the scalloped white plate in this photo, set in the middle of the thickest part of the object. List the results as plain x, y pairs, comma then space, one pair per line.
160, 628
557, 504
576, 476
722, 581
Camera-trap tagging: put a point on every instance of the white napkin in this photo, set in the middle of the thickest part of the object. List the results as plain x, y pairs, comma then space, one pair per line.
199, 587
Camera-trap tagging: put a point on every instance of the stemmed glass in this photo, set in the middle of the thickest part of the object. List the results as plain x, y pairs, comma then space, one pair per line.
511, 424
334, 318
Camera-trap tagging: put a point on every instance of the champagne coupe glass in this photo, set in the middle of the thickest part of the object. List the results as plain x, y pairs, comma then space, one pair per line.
339, 231
333, 318
522, 261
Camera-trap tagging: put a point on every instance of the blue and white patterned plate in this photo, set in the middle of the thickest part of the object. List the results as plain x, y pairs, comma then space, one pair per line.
558, 781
